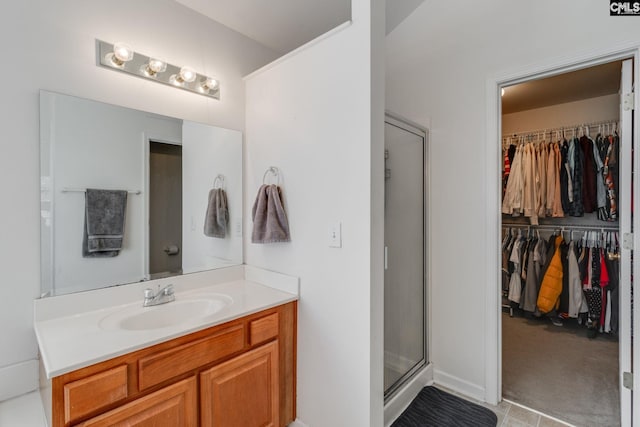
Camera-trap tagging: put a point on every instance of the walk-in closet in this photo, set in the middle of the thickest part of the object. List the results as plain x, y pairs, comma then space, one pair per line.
566, 208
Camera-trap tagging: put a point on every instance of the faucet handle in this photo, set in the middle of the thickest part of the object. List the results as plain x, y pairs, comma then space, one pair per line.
168, 290
148, 293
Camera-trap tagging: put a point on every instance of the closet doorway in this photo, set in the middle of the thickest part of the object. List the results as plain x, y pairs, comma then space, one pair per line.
405, 325
566, 269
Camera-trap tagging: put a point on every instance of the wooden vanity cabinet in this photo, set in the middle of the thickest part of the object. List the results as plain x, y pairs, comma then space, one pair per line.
240, 373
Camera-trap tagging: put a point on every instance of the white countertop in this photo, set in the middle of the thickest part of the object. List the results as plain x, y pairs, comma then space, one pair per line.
73, 341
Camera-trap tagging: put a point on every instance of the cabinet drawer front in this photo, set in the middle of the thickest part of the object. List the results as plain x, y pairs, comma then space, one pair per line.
172, 406
263, 329
80, 396
160, 367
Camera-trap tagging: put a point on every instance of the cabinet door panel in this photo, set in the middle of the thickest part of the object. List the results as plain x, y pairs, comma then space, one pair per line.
172, 406
242, 392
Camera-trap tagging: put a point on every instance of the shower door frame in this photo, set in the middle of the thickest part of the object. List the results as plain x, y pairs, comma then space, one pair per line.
422, 132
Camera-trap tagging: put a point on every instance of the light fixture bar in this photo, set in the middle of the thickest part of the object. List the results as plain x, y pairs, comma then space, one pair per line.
145, 67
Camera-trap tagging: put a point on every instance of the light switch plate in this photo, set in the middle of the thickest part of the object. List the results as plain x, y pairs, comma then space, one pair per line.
335, 235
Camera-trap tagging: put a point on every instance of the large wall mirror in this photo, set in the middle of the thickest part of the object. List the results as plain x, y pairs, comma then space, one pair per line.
168, 168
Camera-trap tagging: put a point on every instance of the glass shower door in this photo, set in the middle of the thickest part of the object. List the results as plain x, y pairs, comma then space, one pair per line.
404, 279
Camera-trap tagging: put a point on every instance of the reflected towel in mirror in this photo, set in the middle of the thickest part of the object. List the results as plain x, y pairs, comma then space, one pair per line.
104, 218
270, 223
217, 217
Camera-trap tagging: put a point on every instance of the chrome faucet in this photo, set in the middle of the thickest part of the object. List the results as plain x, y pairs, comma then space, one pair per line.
163, 296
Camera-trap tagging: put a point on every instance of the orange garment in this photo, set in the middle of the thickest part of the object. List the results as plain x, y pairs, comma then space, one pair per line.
551, 286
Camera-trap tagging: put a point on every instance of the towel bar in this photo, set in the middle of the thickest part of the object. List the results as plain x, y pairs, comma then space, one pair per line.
84, 190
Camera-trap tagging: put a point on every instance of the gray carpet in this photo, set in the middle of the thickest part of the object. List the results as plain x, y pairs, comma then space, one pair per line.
560, 372
437, 408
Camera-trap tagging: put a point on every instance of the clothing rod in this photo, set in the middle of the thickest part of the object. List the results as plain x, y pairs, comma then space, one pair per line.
564, 227
559, 128
84, 190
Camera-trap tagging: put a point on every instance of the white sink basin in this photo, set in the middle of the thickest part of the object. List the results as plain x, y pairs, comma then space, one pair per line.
180, 311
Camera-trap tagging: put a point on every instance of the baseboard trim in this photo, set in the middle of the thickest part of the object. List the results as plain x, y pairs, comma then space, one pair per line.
459, 385
18, 379
398, 403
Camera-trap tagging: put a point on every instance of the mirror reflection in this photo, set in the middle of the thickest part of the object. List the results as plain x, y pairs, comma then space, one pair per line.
128, 195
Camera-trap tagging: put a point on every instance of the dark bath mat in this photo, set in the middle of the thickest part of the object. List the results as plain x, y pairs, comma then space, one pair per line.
434, 407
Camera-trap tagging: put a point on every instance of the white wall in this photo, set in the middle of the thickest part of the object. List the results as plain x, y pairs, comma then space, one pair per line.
311, 116
207, 152
438, 63
590, 110
51, 45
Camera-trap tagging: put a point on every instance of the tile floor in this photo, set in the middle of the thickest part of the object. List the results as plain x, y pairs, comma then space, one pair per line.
513, 415
23, 411
26, 411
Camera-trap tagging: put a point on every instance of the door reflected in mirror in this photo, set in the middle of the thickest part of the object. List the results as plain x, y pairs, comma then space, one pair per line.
168, 167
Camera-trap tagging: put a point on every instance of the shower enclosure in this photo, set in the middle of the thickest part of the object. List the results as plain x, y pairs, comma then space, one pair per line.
405, 333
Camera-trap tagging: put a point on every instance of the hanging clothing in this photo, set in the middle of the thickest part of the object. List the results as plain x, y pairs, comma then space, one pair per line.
512, 202
537, 259
601, 190
577, 302
543, 160
610, 178
557, 211
566, 187
563, 300
515, 283
604, 284
577, 180
531, 182
551, 285
614, 270
589, 190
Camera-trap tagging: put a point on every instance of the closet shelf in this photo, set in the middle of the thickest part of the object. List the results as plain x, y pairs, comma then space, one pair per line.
604, 227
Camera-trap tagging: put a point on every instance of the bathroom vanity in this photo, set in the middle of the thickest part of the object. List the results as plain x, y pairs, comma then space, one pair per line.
221, 355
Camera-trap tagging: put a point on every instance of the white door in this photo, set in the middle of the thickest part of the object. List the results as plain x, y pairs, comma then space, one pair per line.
625, 209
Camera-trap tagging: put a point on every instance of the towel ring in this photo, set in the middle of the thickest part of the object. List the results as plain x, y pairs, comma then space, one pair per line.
218, 182
274, 172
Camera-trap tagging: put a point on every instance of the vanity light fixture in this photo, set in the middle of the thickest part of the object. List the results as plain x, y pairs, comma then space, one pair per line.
153, 67
121, 57
208, 84
186, 75
120, 54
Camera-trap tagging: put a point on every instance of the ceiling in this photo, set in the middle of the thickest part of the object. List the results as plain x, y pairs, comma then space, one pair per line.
283, 25
590, 82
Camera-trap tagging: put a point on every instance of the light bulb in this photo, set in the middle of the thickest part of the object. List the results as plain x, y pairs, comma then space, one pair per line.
187, 74
153, 67
121, 54
208, 84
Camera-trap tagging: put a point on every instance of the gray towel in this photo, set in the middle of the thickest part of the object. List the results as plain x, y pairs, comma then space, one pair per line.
217, 216
270, 224
104, 217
